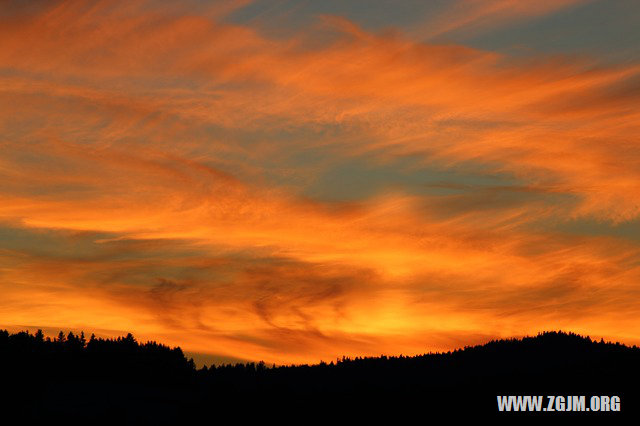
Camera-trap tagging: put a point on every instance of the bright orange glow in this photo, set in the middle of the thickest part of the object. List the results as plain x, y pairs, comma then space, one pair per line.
156, 168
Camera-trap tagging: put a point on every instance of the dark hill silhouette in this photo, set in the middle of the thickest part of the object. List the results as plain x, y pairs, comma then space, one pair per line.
130, 381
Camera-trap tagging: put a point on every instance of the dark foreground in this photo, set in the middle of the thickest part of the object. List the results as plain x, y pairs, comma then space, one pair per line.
124, 382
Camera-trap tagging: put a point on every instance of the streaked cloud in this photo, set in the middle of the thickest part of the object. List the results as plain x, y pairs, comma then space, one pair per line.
168, 171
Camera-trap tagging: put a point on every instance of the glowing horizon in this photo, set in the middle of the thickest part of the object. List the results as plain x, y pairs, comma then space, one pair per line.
293, 182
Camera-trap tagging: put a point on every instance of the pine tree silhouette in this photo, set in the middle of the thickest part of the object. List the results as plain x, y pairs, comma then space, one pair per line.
47, 376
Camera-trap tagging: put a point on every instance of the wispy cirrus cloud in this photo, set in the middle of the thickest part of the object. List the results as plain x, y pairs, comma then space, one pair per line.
472, 16
159, 165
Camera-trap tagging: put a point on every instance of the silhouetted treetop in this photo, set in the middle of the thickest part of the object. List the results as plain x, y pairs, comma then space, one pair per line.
549, 357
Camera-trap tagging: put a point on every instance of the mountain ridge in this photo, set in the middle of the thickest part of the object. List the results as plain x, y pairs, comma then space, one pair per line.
152, 379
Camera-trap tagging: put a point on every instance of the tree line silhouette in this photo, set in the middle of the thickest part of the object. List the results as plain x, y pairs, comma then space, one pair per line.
73, 357
100, 376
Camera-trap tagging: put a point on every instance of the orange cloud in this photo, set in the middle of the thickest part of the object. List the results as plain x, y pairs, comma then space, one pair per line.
138, 145
469, 16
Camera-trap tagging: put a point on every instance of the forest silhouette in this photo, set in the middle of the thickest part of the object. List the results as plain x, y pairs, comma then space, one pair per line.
130, 381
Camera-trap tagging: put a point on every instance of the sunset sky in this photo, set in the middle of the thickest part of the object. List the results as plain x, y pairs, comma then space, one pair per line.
294, 181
